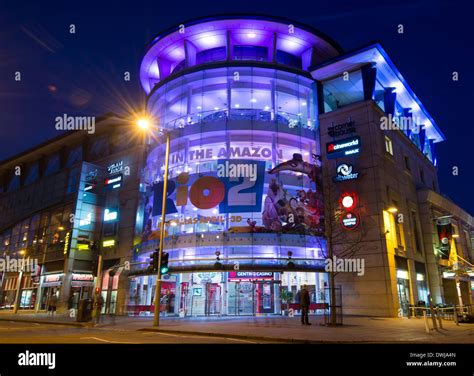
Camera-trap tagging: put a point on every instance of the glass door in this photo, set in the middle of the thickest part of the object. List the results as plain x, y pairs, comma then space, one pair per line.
246, 301
403, 288
265, 297
213, 299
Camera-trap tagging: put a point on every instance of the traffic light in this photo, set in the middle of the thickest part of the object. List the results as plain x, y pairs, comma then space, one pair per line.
164, 263
153, 262
291, 264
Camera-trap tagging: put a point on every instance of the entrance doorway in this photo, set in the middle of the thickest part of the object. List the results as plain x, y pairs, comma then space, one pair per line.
249, 298
403, 287
213, 299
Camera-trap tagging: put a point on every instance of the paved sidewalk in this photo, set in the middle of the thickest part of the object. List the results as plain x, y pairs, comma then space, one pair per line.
281, 329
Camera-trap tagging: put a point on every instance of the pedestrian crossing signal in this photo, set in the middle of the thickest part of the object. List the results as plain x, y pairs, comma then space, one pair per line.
164, 263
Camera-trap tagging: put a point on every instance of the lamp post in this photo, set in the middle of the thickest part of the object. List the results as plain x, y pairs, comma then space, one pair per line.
145, 124
156, 314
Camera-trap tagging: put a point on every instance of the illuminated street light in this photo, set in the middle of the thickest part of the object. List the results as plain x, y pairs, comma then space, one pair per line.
143, 123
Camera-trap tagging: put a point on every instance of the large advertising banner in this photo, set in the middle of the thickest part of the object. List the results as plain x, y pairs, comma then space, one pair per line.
445, 234
245, 196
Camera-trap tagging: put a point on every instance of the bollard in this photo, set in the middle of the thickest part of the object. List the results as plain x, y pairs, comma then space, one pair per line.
440, 322
427, 325
456, 315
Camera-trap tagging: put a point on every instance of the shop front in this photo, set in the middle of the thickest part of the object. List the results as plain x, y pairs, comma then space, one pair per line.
81, 288
50, 286
9, 291
235, 293
28, 292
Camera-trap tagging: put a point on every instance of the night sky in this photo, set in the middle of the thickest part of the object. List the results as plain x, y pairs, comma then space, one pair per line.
82, 73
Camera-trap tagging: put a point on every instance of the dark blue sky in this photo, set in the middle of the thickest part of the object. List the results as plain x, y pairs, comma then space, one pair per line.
83, 73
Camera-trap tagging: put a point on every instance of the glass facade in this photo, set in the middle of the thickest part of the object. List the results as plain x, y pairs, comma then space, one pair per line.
243, 168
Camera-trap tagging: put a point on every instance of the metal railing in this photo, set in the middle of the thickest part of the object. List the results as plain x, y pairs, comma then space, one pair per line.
452, 313
240, 114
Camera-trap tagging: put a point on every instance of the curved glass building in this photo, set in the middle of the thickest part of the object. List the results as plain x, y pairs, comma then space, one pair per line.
244, 211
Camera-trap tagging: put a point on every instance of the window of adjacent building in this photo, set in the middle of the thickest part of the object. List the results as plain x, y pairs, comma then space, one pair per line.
74, 156
343, 90
388, 145
398, 218
52, 165
416, 237
99, 148
379, 94
14, 183
407, 162
422, 176
32, 174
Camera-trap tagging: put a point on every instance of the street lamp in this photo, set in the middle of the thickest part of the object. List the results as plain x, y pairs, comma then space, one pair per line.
145, 124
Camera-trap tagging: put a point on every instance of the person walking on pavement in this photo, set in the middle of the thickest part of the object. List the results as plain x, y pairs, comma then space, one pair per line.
99, 302
305, 301
53, 304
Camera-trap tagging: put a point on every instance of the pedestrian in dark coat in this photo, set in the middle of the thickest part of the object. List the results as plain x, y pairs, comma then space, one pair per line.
305, 301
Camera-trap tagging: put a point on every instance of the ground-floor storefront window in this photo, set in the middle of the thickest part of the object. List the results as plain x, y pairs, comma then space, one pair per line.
235, 293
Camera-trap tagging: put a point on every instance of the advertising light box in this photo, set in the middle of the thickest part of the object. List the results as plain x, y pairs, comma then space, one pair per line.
241, 195
343, 148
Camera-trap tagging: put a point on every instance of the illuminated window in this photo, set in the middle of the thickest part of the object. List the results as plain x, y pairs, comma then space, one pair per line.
388, 145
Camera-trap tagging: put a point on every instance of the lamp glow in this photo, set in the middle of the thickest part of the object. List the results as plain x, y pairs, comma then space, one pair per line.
143, 123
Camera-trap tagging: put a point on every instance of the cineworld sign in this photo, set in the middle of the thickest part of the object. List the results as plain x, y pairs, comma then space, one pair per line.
343, 148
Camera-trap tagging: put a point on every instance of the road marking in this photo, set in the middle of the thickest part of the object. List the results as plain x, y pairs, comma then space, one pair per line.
194, 336
22, 328
240, 340
105, 340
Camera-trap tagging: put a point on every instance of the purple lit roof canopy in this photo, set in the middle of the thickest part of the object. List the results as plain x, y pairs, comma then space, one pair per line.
227, 38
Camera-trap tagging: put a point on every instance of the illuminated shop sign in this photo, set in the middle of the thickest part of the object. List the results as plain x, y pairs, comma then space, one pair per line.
53, 278
66, 242
82, 277
350, 220
110, 215
343, 148
250, 276
341, 129
345, 172
86, 221
113, 182
115, 168
91, 180
220, 152
108, 243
